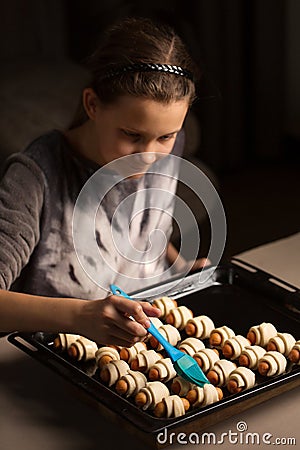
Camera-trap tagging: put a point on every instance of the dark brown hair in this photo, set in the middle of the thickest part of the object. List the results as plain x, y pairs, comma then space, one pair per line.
132, 41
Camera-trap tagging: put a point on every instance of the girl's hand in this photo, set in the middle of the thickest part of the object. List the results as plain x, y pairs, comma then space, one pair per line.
193, 265
199, 264
180, 263
107, 321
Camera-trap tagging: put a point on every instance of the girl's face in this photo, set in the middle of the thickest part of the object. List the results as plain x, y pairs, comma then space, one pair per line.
135, 125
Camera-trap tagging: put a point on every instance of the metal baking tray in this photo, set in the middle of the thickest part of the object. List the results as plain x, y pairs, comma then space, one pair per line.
235, 294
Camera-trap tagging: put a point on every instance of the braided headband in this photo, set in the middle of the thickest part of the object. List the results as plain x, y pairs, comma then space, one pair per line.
149, 67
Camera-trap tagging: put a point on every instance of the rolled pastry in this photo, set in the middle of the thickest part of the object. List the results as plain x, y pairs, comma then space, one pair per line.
240, 379
144, 360
113, 371
171, 406
64, 340
206, 358
220, 372
104, 355
191, 345
165, 304
162, 370
129, 353
203, 396
179, 316
294, 355
181, 386
282, 342
151, 394
131, 383
83, 349
261, 334
170, 333
219, 335
272, 363
156, 321
251, 355
199, 327
234, 346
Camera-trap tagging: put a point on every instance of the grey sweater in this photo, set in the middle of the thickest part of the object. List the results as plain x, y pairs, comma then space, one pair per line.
38, 191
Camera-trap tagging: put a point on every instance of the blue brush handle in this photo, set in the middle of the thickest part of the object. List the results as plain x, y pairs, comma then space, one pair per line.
173, 352
118, 291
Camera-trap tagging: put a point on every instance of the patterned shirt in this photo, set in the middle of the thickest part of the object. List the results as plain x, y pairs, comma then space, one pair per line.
38, 253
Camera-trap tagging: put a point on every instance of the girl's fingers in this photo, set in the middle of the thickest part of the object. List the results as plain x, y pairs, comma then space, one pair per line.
150, 310
117, 336
147, 308
116, 313
131, 308
109, 323
121, 329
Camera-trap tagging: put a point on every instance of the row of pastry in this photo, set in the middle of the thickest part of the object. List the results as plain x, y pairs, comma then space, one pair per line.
268, 363
245, 351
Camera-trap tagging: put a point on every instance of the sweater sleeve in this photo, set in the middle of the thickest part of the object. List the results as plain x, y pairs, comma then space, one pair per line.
21, 203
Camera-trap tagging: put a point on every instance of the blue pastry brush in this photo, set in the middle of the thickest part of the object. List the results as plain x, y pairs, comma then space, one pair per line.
184, 364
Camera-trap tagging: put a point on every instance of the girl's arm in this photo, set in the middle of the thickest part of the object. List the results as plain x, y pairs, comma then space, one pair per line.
175, 258
103, 321
25, 312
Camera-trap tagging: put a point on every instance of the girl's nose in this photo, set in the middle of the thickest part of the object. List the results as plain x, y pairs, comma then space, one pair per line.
148, 157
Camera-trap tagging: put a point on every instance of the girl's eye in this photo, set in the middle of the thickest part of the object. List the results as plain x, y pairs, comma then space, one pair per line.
167, 137
131, 134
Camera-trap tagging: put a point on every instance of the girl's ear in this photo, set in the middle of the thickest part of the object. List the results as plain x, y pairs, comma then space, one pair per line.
90, 102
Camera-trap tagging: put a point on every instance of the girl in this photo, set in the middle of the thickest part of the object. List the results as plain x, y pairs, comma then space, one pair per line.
141, 87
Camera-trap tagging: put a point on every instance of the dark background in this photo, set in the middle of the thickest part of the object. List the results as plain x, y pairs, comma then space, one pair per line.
247, 114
